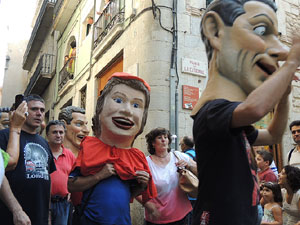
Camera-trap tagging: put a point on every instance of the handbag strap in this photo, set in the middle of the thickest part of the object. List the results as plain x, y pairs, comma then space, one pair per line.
176, 156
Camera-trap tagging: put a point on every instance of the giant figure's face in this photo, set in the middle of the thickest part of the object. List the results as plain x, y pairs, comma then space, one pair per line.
122, 112
77, 129
250, 49
4, 120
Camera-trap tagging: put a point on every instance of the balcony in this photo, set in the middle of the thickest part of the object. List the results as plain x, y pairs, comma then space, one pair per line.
63, 11
66, 74
41, 76
110, 23
39, 33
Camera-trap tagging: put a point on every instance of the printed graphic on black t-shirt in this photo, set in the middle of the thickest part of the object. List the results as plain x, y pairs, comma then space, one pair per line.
36, 161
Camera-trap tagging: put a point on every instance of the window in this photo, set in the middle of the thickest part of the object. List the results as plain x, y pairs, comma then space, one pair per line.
87, 26
83, 97
89, 23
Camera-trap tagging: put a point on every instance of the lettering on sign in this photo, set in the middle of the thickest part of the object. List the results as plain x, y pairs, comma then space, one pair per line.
194, 67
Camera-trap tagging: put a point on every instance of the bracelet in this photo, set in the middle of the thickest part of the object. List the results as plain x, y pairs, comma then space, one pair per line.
16, 131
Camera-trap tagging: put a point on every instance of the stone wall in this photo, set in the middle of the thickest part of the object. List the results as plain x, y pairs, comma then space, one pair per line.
289, 24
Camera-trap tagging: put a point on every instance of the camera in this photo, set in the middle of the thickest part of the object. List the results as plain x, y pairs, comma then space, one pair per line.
18, 100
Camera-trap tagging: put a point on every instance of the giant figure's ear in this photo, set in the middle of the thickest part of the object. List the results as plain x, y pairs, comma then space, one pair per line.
213, 28
64, 122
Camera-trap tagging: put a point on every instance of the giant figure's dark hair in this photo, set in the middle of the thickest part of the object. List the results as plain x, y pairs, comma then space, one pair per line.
66, 113
228, 10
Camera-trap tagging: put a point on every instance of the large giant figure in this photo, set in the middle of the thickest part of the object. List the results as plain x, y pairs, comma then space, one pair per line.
76, 127
245, 83
108, 169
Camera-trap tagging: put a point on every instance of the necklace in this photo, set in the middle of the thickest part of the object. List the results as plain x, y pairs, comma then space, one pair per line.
162, 156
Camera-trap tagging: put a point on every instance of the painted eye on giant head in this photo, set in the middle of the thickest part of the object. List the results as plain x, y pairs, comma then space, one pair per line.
260, 30
136, 105
78, 124
118, 100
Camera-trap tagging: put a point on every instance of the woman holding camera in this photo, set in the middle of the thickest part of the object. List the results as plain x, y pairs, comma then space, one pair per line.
171, 204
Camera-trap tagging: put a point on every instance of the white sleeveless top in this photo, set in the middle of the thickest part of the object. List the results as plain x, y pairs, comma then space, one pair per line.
291, 210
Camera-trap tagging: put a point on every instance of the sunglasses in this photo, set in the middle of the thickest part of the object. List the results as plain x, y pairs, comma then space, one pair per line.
295, 131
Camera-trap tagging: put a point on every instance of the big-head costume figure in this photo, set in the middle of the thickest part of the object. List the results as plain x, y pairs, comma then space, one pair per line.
107, 164
76, 127
245, 83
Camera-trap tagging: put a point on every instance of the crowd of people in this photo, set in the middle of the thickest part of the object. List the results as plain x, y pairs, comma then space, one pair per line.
101, 172
74, 178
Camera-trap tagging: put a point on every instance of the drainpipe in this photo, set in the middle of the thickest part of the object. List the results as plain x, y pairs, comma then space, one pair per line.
174, 81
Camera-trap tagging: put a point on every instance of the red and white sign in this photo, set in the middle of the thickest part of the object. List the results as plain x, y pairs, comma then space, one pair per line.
190, 96
193, 66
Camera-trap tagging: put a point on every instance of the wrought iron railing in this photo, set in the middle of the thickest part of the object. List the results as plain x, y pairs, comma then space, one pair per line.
112, 14
66, 73
45, 66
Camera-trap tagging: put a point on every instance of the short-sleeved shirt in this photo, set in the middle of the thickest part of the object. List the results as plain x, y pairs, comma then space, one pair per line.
59, 178
30, 181
267, 176
228, 190
191, 153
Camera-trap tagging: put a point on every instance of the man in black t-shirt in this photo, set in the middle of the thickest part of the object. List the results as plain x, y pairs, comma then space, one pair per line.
30, 180
245, 83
